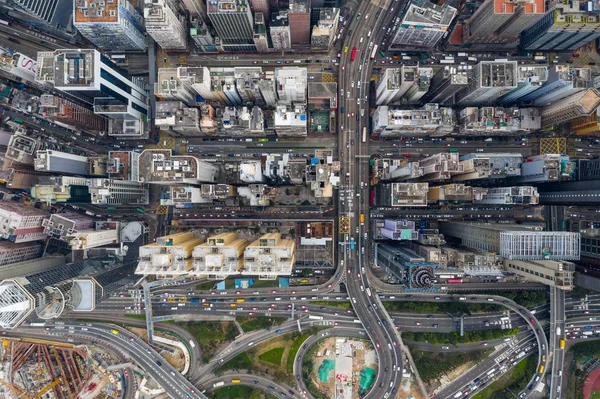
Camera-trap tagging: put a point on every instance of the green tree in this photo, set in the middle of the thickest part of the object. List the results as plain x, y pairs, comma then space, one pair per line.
307, 272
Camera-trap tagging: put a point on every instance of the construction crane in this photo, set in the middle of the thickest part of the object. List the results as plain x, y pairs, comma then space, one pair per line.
49, 386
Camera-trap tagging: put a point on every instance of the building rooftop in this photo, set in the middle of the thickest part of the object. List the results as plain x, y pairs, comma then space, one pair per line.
96, 11
425, 13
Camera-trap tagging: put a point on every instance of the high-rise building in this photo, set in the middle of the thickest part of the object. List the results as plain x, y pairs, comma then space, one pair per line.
162, 167
166, 26
66, 112
118, 192
176, 117
325, 29
399, 230
291, 84
279, 29
93, 238
170, 256
201, 35
516, 195
562, 81
48, 286
493, 165
270, 256
402, 194
60, 162
489, 80
545, 168
220, 256
574, 106
261, 40
13, 253
502, 20
529, 79
196, 8
299, 17
123, 165
110, 25
445, 84
423, 24
395, 83
96, 80
21, 224
261, 7
565, 27
59, 225
498, 121
421, 86
169, 86
440, 166
233, 21
396, 122
55, 13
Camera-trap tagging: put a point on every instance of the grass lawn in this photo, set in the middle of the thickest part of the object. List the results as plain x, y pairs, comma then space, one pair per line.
210, 335
239, 392
240, 362
136, 316
345, 305
519, 375
266, 284
205, 286
293, 351
250, 323
595, 395
273, 356
432, 365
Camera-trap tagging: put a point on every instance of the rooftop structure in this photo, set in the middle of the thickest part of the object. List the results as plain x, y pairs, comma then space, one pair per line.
545, 168
162, 167
71, 114
233, 21
493, 121
517, 195
542, 245
60, 162
423, 24
117, 192
451, 192
94, 238
220, 256
490, 80
182, 197
290, 121
279, 29
559, 274
325, 30
399, 230
170, 256
59, 225
394, 83
489, 165
429, 120
20, 223
165, 25
440, 167
445, 84
403, 194
571, 107
270, 256
529, 79
110, 25
290, 83
175, 116
562, 81
170, 86
123, 165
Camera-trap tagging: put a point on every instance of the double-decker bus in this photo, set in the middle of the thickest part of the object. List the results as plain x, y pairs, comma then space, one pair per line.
374, 52
364, 135
353, 55
455, 281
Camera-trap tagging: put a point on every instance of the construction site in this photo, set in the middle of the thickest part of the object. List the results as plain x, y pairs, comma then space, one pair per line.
31, 368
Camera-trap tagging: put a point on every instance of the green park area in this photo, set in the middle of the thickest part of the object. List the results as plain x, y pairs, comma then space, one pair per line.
210, 335
433, 365
512, 382
455, 338
273, 356
345, 305
240, 392
250, 323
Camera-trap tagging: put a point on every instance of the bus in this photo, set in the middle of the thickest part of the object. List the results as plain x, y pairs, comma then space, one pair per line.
140, 210
364, 136
452, 150
450, 61
382, 53
374, 52
235, 381
218, 384
110, 208
18, 120
353, 55
352, 243
454, 281
3, 22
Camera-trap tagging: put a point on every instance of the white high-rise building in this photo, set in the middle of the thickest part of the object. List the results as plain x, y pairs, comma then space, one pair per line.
166, 26
92, 239
489, 80
291, 84
21, 224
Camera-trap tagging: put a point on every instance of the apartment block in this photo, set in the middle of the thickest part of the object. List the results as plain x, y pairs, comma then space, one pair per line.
583, 103
559, 274
13, 253
261, 7
241, 122
496, 165
484, 236
110, 25
162, 167
270, 256
280, 31
453, 192
261, 40
165, 25
170, 256
431, 120
403, 194
290, 121
93, 238
123, 165
233, 21
223, 86
565, 27
516, 195
498, 121
545, 168
220, 256
421, 86
21, 224
117, 192
325, 30
395, 82
440, 167
423, 24
529, 79
396, 169
169, 86
489, 80
176, 117
291, 83
209, 194
299, 17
